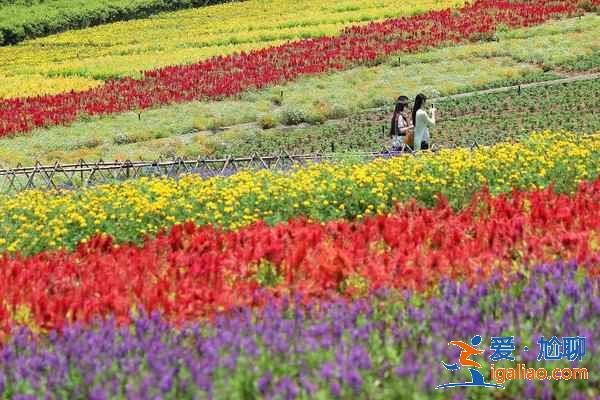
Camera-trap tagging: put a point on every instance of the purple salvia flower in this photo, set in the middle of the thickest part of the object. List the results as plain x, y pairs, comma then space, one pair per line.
353, 379
265, 382
336, 390
328, 371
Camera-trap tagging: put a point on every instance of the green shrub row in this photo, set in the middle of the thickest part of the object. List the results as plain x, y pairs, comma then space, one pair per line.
25, 19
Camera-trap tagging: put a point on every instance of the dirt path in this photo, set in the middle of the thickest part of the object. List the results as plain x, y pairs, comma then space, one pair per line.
569, 78
572, 78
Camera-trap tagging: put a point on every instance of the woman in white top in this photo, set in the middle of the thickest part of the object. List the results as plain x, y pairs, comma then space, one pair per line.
422, 122
400, 126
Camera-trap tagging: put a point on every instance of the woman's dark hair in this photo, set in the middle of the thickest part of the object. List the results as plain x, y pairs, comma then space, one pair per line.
401, 103
419, 100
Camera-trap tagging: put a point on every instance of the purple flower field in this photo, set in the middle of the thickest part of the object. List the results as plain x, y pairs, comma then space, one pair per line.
390, 346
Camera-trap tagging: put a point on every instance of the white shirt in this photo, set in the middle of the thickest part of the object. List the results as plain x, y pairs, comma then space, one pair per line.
422, 125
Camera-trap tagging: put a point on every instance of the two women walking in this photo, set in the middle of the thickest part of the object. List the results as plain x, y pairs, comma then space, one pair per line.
414, 133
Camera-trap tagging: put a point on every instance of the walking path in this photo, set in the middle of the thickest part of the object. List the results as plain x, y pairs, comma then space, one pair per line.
572, 78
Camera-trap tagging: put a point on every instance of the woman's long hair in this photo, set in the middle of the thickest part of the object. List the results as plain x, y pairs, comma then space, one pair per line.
400, 105
419, 100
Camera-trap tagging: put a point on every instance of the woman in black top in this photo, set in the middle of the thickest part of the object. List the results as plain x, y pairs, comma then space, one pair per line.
400, 126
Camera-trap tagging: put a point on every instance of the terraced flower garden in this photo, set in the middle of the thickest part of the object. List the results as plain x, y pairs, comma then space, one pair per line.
347, 279
187, 129
81, 59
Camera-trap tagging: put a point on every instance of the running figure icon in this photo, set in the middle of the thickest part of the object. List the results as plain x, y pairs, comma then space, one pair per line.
468, 350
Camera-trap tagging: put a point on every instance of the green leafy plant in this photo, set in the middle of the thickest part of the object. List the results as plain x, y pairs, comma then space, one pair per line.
293, 116
267, 121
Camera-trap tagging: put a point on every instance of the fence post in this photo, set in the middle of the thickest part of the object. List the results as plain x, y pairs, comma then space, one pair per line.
81, 169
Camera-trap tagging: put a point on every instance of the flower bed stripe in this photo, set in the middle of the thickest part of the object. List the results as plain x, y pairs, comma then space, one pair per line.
374, 348
193, 272
227, 76
34, 221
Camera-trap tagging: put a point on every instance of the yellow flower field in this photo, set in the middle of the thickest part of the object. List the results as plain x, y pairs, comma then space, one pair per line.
34, 221
38, 84
126, 48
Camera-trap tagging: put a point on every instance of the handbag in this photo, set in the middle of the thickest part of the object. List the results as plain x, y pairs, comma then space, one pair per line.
409, 139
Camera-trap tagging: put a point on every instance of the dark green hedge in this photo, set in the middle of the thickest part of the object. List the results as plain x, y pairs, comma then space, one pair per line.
24, 19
